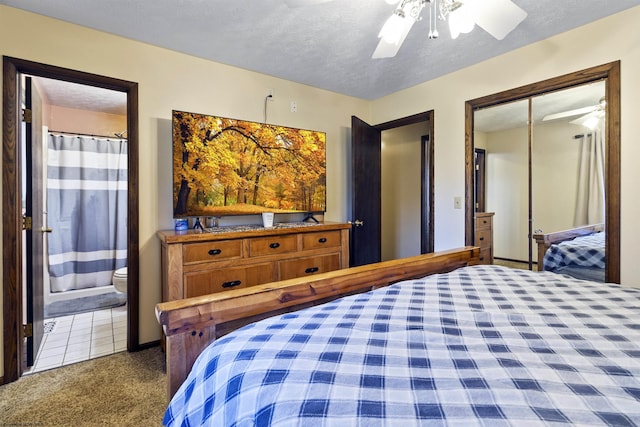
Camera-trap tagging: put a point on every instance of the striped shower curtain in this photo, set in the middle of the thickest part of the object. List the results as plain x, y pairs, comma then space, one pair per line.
86, 209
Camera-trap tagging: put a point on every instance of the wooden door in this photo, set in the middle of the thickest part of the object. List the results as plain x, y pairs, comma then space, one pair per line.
33, 209
366, 230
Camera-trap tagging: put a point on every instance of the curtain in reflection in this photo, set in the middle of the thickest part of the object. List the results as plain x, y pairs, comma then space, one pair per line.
590, 208
87, 210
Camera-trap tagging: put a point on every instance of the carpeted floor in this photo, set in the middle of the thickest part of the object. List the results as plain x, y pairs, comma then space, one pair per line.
84, 304
124, 389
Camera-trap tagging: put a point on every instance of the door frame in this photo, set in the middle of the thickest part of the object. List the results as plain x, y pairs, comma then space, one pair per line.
427, 214
11, 215
479, 178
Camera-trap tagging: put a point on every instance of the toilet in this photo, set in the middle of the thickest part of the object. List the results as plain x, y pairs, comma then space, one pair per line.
119, 280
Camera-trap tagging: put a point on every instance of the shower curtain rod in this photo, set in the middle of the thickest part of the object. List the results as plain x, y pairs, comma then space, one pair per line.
86, 134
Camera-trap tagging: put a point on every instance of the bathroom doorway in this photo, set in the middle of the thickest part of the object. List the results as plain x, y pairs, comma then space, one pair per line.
23, 312
83, 194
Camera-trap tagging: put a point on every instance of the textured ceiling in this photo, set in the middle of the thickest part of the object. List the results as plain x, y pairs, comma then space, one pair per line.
327, 45
81, 97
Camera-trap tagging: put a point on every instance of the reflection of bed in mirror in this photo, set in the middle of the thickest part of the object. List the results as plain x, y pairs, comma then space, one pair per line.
578, 252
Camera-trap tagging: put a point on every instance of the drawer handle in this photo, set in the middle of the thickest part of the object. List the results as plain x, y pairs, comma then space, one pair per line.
481, 239
274, 245
484, 221
231, 284
311, 270
213, 252
322, 240
481, 258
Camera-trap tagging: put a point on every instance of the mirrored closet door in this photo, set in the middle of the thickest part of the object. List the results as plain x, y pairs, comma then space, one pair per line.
551, 163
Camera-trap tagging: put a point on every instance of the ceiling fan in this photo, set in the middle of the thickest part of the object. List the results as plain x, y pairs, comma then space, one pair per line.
589, 116
497, 17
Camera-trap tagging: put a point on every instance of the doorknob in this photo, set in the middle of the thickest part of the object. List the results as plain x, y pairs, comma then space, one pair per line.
357, 223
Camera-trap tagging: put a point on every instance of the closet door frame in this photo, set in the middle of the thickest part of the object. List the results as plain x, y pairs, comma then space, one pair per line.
610, 74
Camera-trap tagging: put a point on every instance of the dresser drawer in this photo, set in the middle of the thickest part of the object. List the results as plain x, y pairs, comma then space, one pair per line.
214, 280
483, 222
328, 239
485, 256
272, 245
483, 238
307, 266
212, 251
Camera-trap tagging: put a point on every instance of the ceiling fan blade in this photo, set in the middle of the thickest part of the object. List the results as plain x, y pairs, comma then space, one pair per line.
570, 113
389, 50
300, 3
589, 120
496, 17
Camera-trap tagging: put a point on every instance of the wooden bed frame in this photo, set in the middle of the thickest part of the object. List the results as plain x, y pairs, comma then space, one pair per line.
544, 241
189, 325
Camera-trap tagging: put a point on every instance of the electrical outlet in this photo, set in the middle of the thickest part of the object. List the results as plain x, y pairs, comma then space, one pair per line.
294, 107
457, 202
270, 94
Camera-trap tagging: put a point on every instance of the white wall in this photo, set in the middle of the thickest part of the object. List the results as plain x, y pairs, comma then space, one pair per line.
555, 175
507, 192
609, 39
401, 184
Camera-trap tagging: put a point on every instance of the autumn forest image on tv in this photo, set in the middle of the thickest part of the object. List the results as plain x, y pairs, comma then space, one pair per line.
225, 166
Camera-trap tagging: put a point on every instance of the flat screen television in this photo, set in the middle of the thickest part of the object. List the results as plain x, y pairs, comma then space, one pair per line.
225, 166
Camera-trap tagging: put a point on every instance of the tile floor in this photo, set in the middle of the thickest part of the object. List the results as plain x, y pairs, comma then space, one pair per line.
79, 337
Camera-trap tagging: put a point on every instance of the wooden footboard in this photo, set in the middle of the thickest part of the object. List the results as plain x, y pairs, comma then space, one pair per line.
191, 324
544, 241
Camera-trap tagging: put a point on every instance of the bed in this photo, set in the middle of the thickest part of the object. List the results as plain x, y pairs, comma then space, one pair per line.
479, 345
578, 252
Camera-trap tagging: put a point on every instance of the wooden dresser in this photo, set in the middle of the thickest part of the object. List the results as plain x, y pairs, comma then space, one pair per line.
198, 263
484, 236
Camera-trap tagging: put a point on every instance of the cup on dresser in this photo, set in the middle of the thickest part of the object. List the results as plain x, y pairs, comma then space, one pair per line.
267, 219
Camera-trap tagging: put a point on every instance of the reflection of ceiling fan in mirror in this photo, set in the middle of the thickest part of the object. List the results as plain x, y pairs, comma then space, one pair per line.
589, 116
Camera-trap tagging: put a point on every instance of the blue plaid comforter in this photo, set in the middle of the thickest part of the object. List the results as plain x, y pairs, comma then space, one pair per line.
483, 345
584, 251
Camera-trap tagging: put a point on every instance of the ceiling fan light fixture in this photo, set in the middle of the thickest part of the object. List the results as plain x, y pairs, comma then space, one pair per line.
460, 21
392, 29
497, 17
591, 122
